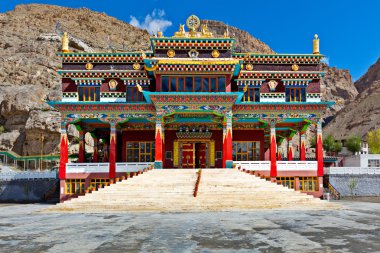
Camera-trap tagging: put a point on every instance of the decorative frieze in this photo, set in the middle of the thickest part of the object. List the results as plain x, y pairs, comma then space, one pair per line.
272, 97
88, 81
250, 82
296, 82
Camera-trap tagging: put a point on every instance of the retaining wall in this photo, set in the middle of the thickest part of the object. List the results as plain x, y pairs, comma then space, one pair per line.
366, 185
26, 191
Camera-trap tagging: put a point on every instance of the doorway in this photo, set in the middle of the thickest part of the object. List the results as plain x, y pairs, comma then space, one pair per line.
194, 155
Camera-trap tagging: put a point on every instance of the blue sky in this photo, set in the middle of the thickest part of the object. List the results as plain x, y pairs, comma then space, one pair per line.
349, 30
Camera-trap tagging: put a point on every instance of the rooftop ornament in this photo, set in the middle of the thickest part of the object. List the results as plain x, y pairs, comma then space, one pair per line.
193, 23
316, 44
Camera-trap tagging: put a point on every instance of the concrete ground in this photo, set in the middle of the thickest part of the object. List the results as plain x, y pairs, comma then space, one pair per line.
356, 228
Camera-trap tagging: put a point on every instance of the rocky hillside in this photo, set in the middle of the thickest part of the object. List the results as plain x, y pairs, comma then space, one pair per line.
361, 114
244, 41
29, 39
28, 43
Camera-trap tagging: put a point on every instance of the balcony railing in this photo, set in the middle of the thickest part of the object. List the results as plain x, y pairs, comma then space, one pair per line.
253, 165
281, 165
352, 170
132, 167
87, 167
27, 175
297, 165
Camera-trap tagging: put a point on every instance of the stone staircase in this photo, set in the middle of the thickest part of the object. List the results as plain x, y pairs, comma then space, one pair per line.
172, 190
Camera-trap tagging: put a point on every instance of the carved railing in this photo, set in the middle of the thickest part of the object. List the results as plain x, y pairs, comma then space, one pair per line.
331, 188
252, 165
351, 170
197, 183
133, 167
296, 165
87, 167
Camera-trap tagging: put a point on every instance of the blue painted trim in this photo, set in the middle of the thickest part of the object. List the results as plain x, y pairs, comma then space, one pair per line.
229, 164
158, 164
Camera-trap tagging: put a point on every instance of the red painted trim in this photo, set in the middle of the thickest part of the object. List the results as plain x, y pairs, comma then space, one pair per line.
273, 161
303, 152
158, 151
290, 154
112, 156
64, 157
229, 146
319, 156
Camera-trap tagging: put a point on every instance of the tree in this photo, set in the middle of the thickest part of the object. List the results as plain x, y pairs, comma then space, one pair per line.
328, 143
373, 139
337, 146
354, 143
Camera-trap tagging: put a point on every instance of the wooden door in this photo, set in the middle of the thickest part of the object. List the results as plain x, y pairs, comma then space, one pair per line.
200, 155
188, 155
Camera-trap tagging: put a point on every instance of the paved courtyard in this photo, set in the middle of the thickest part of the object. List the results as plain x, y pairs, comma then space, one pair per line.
356, 228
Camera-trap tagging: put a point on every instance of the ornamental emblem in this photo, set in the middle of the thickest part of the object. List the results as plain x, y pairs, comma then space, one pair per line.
193, 53
112, 84
193, 22
215, 53
249, 67
136, 66
272, 85
89, 66
170, 53
295, 67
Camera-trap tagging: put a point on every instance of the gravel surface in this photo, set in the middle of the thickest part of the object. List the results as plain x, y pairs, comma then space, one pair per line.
356, 228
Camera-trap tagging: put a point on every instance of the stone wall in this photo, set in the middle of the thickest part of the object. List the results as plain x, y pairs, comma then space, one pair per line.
25, 191
366, 185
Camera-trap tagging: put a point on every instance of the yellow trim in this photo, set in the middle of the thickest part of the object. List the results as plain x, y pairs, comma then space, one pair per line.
194, 62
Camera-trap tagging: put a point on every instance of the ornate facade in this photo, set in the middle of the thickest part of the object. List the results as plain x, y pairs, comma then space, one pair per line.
191, 102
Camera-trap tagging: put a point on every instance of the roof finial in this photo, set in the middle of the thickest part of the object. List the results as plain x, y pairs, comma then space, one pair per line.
65, 43
316, 44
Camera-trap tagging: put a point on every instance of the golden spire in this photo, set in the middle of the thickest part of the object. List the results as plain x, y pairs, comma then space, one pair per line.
65, 43
316, 44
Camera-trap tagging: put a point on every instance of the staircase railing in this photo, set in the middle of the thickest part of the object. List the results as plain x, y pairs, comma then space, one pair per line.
331, 188
197, 182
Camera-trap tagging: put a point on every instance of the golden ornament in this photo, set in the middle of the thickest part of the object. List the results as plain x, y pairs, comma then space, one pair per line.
112, 84
171, 53
295, 67
89, 66
215, 53
136, 66
249, 67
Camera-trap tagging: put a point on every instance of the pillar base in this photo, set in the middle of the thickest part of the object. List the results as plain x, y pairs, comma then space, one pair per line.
158, 164
229, 164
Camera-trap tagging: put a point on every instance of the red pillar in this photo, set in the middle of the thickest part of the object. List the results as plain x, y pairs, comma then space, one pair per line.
224, 146
273, 148
64, 158
105, 152
82, 151
290, 150
112, 154
95, 157
319, 150
227, 141
158, 144
302, 147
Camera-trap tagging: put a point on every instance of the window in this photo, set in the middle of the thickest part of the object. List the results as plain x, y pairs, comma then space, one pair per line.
286, 181
75, 186
168, 155
133, 94
140, 151
246, 151
295, 95
193, 83
251, 95
373, 162
308, 184
98, 182
89, 93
